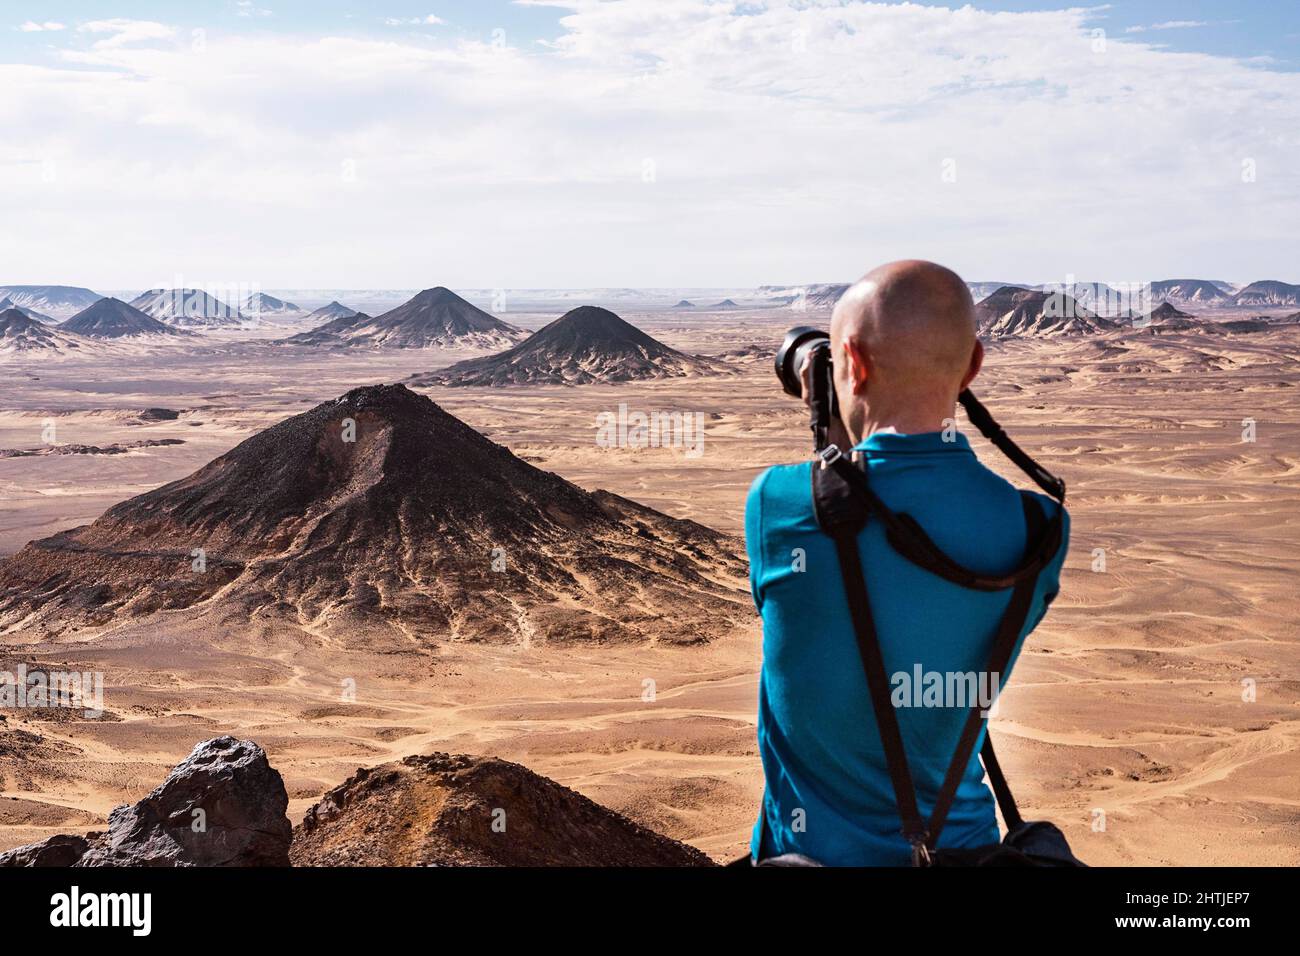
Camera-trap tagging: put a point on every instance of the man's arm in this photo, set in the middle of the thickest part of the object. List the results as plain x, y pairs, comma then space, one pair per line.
754, 537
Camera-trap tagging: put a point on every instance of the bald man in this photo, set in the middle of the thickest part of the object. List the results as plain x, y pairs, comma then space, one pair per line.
903, 345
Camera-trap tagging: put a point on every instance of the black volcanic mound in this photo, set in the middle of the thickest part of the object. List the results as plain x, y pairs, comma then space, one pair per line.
419, 522
1013, 311
112, 319
1165, 312
13, 322
435, 318
20, 333
587, 344
259, 303
329, 313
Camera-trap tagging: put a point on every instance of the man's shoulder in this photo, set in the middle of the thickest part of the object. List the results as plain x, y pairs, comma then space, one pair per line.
779, 500
781, 481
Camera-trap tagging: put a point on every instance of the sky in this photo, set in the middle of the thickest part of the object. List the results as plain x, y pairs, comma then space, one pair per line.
644, 143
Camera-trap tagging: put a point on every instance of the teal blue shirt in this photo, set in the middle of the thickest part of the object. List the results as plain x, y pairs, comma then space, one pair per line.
828, 792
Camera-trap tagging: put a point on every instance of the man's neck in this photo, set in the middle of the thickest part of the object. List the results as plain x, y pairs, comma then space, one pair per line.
909, 420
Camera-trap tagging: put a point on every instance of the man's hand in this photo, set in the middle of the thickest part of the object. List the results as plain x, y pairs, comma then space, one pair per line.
836, 434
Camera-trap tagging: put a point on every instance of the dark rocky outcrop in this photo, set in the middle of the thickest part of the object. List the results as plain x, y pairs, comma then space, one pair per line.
20, 333
457, 810
223, 805
60, 850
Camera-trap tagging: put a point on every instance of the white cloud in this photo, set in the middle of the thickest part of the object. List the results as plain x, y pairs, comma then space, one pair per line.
246, 8
122, 32
32, 26
795, 142
429, 20
1169, 25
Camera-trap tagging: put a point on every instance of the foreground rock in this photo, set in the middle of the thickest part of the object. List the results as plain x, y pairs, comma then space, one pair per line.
63, 849
441, 810
223, 805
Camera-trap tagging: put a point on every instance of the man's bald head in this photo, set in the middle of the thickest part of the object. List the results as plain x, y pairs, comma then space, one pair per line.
909, 331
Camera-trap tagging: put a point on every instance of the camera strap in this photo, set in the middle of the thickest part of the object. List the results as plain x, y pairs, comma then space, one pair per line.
843, 502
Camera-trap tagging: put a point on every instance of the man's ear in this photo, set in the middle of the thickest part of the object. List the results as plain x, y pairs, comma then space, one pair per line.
976, 363
858, 362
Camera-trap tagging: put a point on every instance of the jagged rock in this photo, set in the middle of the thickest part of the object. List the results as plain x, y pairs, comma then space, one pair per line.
60, 850
243, 803
457, 810
242, 820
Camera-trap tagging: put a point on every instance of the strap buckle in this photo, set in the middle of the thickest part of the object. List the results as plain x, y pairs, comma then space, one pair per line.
830, 455
920, 852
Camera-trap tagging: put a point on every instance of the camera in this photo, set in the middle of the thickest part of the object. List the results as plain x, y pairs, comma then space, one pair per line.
803, 342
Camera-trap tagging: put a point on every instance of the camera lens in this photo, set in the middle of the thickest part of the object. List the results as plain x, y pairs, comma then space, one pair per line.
790, 356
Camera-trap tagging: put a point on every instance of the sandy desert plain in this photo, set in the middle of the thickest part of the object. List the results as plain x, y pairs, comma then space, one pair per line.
1128, 703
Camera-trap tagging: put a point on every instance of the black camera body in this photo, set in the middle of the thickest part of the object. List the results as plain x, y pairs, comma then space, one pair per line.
803, 342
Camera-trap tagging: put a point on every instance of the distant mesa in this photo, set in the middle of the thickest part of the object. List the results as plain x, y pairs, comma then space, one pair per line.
684, 304
187, 307
435, 318
724, 305
1220, 326
820, 296
1013, 311
1200, 291
755, 350
116, 448
1096, 297
259, 303
585, 345
1268, 293
328, 313
113, 319
158, 414
816, 295
982, 290
418, 529
59, 301
18, 333
438, 810
7, 303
